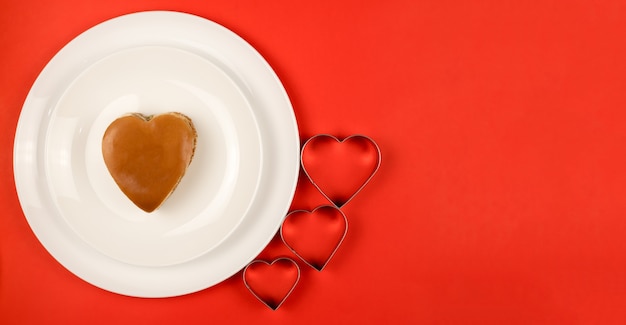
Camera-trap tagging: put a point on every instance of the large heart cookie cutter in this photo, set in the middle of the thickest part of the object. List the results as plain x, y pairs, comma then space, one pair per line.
271, 282
314, 236
340, 169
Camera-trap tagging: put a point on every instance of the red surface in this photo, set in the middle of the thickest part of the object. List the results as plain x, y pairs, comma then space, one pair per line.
501, 198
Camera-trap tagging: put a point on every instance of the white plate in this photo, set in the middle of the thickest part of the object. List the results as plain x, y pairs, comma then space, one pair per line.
235, 193
218, 187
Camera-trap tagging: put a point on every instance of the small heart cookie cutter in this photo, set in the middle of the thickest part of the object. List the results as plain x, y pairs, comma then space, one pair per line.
269, 300
333, 244
356, 137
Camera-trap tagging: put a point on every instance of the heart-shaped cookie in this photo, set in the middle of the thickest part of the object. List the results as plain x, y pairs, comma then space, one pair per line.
314, 236
148, 155
340, 168
271, 283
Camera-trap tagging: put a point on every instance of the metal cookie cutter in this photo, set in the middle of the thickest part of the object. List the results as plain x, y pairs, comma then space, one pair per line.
271, 282
314, 236
340, 169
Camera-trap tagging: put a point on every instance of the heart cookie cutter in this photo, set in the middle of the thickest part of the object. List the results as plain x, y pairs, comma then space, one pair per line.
314, 236
318, 158
271, 282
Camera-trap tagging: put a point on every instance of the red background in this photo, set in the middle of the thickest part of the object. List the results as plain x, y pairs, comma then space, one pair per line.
501, 198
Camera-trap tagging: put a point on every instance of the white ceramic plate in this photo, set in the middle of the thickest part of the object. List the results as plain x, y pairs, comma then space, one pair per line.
235, 193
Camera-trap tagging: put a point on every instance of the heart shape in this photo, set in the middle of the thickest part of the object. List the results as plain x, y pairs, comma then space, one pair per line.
339, 169
147, 156
315, 236
271, 283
